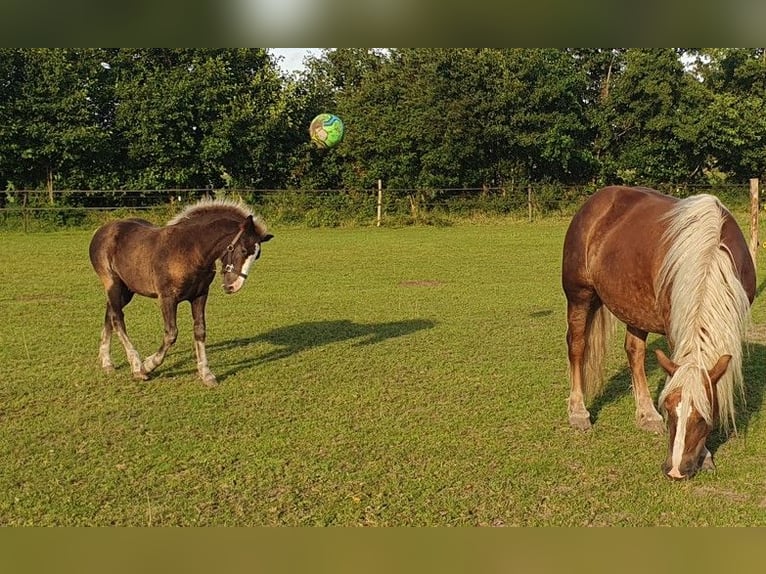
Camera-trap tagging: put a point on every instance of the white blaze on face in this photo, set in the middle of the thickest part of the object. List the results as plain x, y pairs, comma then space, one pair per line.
237, 285
683, 412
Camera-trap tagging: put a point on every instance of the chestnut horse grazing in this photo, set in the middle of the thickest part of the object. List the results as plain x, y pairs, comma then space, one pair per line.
173, 263
680, 268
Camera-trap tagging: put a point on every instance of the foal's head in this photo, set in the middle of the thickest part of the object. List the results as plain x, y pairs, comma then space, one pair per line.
690, 403
241, 253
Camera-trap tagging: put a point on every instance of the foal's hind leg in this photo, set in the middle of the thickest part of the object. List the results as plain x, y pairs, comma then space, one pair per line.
118, 295
104, 348
169, 311
647, 417
198, 314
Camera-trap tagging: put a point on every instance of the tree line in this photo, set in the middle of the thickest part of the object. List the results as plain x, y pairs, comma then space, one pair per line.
417, 118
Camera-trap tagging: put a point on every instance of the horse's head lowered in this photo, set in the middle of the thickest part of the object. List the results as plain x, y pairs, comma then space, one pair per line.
241, 252
690, 404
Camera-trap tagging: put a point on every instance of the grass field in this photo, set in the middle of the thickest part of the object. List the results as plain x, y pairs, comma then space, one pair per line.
412, 376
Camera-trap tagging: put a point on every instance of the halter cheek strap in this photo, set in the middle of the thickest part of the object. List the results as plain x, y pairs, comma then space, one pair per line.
229, 267
230, 246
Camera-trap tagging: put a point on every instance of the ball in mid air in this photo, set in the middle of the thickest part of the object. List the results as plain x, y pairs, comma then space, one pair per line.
326, 130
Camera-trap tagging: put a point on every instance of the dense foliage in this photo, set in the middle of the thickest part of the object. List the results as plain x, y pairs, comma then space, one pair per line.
422, 119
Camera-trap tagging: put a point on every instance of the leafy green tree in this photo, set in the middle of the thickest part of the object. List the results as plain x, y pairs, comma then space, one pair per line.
12, 72
53, 117
328, 82
547, 116
650, 131
425, 118
736, 138
464, 118
198, 117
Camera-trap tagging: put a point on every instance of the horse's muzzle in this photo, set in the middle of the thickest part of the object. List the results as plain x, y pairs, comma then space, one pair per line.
230, 288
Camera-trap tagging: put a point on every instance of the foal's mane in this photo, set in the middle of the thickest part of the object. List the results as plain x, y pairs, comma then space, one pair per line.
709, 308
217, 208
207, 206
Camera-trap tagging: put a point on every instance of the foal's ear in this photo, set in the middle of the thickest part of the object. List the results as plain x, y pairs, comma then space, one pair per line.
669, 366
257, 229
249, 223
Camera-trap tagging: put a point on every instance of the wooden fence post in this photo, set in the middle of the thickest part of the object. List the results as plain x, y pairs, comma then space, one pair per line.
529, 201
754, 208
380, 201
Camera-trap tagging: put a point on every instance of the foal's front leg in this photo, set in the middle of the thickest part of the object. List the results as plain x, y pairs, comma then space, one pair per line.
198, 314
169, 310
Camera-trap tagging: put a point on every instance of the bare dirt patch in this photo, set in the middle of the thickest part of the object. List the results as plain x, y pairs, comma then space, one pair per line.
757, 333
730, 495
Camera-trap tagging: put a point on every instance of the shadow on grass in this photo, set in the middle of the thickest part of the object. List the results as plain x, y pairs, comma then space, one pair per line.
294, 339
760, 288
753, 371
619, 384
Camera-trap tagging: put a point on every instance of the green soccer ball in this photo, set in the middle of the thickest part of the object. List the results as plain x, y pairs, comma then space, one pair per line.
326, 130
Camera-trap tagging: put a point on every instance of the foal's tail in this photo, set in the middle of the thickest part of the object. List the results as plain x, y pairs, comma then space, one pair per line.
597, 335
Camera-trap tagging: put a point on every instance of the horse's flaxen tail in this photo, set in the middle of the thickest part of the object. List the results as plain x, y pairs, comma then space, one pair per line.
598, 333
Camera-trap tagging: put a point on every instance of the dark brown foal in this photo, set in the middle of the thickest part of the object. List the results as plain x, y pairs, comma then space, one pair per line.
173, 263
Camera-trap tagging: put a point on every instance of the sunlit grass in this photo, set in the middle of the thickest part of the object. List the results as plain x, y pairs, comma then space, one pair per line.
411, 376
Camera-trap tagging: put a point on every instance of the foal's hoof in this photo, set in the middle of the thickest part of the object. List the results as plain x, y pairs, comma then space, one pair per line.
210, 381
580, 422
653, 424
140, 376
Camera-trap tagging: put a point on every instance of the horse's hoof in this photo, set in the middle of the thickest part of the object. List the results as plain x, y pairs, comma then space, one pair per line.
140, 376
148, 366
210, 381
580, 422
108, 369
653, 425
707, 463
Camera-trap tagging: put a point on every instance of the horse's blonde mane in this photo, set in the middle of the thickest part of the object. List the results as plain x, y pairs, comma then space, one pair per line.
207, 205
709, 309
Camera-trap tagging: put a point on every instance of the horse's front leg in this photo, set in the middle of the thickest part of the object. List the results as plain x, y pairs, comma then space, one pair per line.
169, 309
647, 417
198, 314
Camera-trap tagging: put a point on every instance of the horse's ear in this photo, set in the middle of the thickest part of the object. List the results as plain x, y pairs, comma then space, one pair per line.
266, 237
248, 224
669, 366
719, 369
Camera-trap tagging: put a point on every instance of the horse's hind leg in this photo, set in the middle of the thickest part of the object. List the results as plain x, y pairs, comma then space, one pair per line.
198, 314
118, 296
169, 312
578, 315
104, 348
647, 417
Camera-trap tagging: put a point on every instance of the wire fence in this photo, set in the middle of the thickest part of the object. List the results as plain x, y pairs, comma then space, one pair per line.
53, 209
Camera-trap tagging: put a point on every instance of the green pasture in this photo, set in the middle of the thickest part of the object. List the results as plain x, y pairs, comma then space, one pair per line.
412, 376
